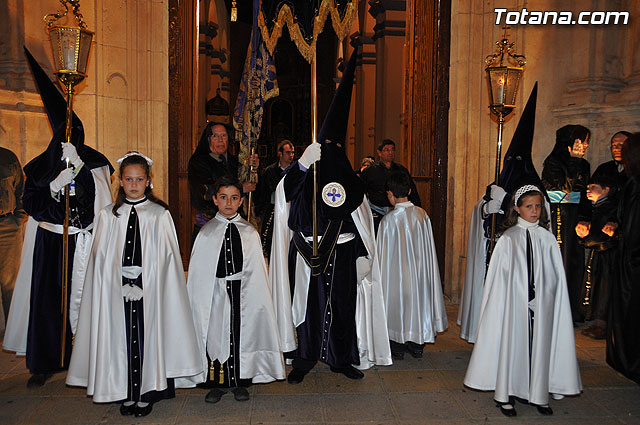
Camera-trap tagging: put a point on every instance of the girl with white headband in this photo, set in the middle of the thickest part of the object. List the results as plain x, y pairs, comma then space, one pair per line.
525, 346
135, 332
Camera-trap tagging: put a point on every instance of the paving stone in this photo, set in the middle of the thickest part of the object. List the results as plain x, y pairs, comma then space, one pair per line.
16, 409
410, 381
195, 411
428, 406
354, 408
331, 382
279, 409
604, 377
67, 410
449, 360
622, 403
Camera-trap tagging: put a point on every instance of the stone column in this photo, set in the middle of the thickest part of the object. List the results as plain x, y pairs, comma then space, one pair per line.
389, 37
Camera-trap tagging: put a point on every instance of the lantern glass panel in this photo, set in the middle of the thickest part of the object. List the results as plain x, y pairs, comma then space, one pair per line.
497, 80
83, 56
69, 45
55, 44
513, 79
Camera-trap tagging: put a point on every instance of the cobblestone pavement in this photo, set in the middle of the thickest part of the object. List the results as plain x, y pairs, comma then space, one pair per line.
412, 391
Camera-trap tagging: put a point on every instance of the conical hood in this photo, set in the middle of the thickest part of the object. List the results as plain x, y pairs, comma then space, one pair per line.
518, 165
334, 166
54, 101
45, 167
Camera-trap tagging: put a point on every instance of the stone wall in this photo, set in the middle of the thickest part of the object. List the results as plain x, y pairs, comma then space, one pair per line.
123, 102
587, 75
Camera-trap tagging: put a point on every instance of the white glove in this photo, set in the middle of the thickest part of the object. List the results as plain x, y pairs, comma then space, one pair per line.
497, 193
64, 178
131, 293
69, 151
493, 205
310, 155
363, 267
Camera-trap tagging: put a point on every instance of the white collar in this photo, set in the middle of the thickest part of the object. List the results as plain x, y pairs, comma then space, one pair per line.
527, 224
403, 204
224, 219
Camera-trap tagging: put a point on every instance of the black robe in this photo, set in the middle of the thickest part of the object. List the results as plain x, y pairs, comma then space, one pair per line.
601, 262
328, 332
45, 317
567, 174
623, 330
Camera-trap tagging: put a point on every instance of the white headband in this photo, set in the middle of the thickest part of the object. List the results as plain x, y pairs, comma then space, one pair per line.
146, 158
524, 189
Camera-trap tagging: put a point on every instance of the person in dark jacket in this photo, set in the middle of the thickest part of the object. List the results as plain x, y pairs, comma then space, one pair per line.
271, 176
565, 175
375, 177
623, 333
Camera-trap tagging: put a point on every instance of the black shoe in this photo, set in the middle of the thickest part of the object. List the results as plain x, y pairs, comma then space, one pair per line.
296, 376
38, 380
397, 355
350, 372
240, 394
127, 410
544, 410
415, 349
143, 411
507, 409
214, 395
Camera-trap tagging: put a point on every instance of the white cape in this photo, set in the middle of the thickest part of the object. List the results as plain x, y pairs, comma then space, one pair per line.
99, 359
260, 353
410, 275
500, 358
15, 338
469, 309
371, 322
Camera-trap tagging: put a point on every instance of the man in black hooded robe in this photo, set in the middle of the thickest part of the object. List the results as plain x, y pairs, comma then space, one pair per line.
325, 287
47, 175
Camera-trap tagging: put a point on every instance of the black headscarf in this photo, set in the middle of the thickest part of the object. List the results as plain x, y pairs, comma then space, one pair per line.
46, 166
565, 137
203, 143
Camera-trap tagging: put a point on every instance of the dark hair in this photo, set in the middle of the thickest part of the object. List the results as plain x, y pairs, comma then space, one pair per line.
603, 181
120, 196
399, 184
511, 218
624, 133
226, 181
631, 155
283, 143
386, 142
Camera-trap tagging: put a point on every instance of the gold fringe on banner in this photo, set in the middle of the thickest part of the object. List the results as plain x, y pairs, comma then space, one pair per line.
285, 17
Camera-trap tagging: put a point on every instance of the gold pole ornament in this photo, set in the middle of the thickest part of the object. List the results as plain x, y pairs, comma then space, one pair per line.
503, 84
71, 46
